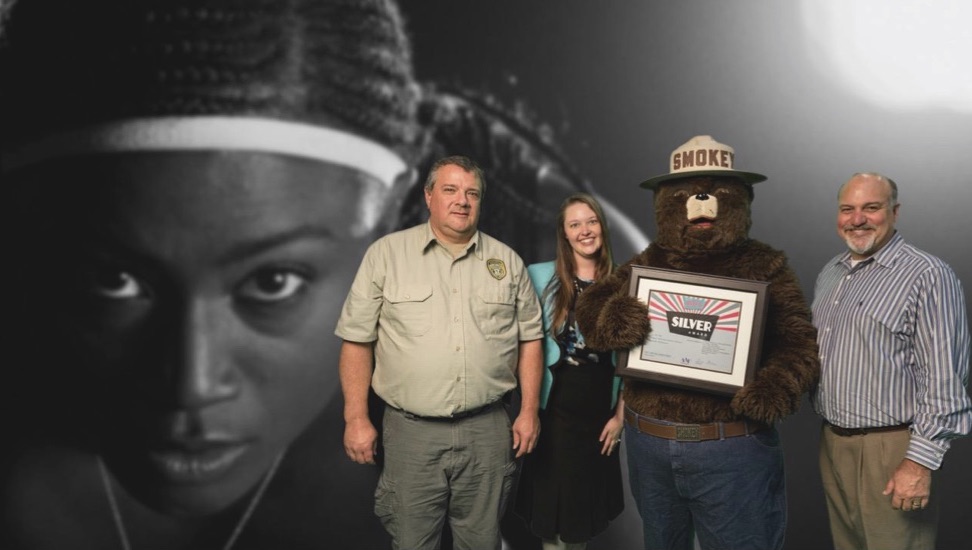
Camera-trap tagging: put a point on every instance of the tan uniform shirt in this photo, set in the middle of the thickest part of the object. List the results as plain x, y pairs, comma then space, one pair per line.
447, 329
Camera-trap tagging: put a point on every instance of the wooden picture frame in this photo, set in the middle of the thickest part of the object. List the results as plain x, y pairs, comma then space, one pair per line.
707, 331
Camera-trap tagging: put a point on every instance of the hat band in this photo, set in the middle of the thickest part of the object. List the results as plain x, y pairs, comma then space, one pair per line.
216, 133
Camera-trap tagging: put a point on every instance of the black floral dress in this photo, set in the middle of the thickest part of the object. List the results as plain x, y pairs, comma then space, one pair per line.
567, 487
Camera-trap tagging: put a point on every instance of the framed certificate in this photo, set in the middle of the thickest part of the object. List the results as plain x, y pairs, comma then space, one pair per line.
706, 331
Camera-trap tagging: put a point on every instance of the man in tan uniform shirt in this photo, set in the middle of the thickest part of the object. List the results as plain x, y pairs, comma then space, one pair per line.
450, 321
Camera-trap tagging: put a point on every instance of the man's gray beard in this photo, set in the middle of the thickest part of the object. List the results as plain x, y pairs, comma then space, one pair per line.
861, 250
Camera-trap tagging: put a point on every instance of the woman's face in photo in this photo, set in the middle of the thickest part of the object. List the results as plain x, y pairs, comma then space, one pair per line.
200, 292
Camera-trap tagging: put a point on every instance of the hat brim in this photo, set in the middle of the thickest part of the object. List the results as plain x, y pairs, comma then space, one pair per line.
746, 177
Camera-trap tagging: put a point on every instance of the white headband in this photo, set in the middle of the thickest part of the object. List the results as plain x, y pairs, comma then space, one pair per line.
216, 132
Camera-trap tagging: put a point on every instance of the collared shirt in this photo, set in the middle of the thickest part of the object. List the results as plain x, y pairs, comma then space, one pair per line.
894, 347
447, 330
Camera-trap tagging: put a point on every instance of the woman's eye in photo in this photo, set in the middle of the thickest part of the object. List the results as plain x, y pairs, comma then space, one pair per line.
273, 285
116, 284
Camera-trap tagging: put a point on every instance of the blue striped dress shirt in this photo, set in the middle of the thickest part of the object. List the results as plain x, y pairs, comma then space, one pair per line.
894, 347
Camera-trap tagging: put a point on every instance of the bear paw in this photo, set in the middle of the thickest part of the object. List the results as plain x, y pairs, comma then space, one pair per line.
623, 323
764, 401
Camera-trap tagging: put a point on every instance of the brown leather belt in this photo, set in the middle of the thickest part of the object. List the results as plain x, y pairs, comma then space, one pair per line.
847, 432
692, 432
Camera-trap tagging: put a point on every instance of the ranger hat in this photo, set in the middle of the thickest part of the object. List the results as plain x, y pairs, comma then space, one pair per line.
703, 156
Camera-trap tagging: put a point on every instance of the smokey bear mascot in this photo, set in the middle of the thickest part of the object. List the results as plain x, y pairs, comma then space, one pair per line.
700, 461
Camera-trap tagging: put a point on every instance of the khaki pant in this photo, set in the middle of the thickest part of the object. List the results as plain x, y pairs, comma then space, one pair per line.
855, 470
462, 470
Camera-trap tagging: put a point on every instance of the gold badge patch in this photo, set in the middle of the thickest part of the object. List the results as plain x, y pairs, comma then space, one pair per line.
496, 268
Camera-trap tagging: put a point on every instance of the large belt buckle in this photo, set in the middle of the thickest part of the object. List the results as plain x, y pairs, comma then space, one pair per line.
687, 433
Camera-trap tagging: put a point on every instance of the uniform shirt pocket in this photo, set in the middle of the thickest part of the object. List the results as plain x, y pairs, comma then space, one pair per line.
408, 309
497, 305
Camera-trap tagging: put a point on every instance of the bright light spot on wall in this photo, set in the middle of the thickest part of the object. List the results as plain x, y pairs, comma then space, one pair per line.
904, 54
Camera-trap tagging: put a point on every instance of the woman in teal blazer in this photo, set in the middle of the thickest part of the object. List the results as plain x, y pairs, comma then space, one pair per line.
571, 484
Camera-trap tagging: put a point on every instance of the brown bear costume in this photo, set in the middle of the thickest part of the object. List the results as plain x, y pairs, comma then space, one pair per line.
702, 211
719, 245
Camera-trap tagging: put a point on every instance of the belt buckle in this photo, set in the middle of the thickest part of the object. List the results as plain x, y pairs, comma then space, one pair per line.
687, 433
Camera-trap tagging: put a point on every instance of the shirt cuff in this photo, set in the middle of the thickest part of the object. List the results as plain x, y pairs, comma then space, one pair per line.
926, 452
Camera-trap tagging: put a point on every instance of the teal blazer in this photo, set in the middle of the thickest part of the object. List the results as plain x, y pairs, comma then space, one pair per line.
540, 275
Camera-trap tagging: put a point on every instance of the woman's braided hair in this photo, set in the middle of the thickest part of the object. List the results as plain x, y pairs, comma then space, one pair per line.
340, 63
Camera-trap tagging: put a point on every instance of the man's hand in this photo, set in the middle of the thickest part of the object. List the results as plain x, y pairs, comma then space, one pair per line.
360, 435
529, 370
526, 430
361, 441
909, 486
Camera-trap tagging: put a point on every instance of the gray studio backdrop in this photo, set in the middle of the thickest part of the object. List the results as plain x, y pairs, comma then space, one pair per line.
807, 92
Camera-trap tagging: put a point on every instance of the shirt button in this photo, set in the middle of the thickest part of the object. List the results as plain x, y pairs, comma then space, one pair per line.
455, 290
458, 348
458, 379
457, 319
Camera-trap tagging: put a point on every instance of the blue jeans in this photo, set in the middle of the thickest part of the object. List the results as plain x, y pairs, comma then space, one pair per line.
731, 492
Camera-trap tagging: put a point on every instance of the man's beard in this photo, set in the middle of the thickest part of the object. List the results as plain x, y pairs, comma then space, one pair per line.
861, 245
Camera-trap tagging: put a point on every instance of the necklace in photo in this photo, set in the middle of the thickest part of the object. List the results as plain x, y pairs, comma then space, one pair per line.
120, 524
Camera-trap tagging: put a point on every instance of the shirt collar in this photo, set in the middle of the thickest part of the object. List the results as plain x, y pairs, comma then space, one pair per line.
429, 238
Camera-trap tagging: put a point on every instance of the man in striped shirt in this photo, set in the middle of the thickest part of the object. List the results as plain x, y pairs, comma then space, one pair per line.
894, 354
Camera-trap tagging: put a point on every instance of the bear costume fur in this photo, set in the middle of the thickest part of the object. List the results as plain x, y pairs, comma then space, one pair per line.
714, 245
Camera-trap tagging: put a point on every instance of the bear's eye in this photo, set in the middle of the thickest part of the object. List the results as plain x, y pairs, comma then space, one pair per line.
681, 194
722, 192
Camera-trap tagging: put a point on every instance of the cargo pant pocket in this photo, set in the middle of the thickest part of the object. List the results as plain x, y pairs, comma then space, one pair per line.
386, 501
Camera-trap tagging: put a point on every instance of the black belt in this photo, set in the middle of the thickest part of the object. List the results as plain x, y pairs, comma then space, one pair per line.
457, 416
847, 432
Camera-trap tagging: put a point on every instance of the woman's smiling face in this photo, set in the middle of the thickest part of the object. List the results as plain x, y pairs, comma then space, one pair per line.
582, 228
201, 293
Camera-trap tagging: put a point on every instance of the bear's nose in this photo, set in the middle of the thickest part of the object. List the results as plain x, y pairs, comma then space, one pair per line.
702, 196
